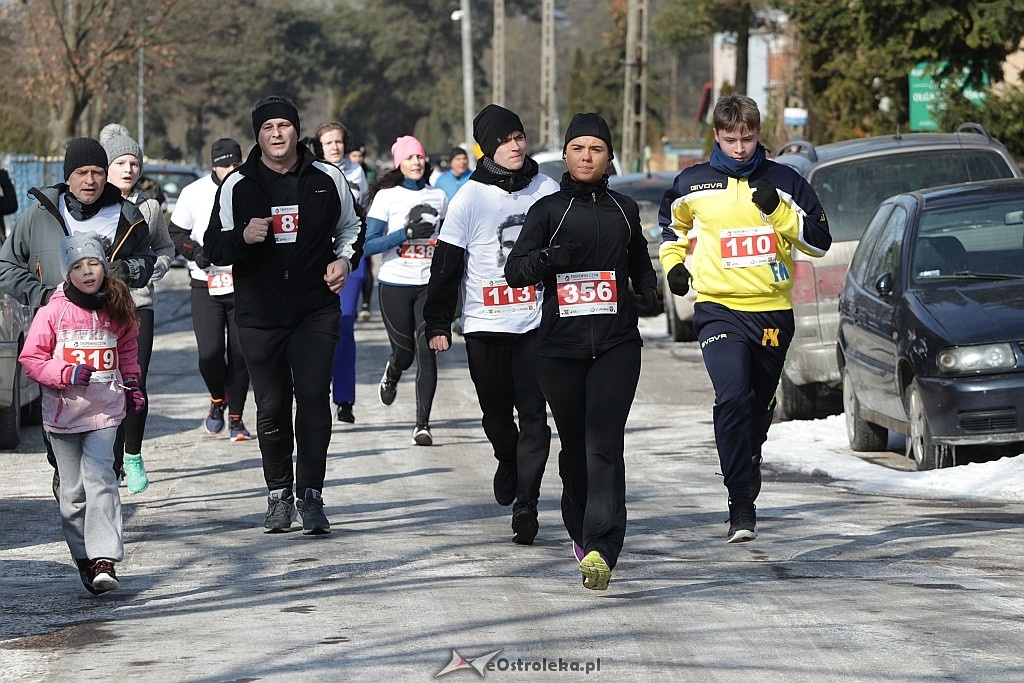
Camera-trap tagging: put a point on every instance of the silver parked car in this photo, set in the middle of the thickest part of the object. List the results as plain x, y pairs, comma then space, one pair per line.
852, 178
20, 399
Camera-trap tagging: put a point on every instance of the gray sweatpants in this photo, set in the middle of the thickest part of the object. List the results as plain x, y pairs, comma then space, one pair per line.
90, 504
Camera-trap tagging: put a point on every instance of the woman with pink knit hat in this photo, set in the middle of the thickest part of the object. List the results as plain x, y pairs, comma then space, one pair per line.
403, 218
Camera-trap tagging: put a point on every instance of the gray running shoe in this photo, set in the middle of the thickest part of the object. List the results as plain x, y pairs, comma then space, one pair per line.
280, 509
311, 510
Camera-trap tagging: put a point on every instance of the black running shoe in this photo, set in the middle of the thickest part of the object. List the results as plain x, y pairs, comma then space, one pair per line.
280, 507
388, 388
311, 511
345, 413
86, 574
104, 578
505, 479
524, 523
742, 521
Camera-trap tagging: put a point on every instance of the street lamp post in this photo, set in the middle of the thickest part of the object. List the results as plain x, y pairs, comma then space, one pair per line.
467, 69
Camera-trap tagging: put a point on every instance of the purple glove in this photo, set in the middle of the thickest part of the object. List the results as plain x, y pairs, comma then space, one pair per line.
134, 399
80, 375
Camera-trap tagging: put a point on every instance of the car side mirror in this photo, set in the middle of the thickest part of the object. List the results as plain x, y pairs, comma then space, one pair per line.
883, 285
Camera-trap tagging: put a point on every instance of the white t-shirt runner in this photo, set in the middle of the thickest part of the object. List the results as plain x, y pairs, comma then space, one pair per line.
400, 208
192, 212
486, 221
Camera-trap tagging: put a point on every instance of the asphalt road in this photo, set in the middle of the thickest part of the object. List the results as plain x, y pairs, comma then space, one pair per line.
838, 586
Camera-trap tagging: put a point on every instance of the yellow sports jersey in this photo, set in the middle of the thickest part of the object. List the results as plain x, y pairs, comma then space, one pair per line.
741, 258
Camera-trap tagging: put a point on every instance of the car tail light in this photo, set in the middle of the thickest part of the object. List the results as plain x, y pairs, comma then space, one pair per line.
830, 280
804, 290
811, 284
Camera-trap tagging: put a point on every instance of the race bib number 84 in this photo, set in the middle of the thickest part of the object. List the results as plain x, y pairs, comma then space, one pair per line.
286, 223
593, 292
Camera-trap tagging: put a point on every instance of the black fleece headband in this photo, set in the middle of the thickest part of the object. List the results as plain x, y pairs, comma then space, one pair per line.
275, 109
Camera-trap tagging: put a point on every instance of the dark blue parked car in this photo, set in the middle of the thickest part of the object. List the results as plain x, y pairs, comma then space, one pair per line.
931, 331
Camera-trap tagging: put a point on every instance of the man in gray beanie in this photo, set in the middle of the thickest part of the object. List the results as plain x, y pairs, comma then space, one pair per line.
30, 267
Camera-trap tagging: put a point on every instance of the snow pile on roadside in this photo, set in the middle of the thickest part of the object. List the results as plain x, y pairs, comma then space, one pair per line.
811, 446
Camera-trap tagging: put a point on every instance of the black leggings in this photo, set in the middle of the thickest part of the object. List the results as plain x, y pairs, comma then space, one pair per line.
590, 400
402, 311
287, 362
133, 428
220, 357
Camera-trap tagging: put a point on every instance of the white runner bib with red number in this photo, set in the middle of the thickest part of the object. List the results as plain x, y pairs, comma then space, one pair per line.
499, 299
219, 281
285, 223
418, 249
592, 292
744, 247
97, 348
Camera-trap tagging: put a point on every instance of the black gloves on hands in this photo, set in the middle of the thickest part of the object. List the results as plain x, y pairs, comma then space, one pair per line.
420, 231
648, 304
119, 269
766, 197
560, 256
193, 251
679, 280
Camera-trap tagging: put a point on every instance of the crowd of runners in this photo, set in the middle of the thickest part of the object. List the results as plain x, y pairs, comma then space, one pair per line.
544, 278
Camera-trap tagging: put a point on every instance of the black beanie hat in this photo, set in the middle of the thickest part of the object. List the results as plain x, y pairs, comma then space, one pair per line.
589, 124
84, 152
274, 107
492, 125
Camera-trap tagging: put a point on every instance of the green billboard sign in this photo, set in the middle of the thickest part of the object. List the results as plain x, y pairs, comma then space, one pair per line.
925, 86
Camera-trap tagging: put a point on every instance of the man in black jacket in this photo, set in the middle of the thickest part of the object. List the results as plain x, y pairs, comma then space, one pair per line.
287, 225
499, 323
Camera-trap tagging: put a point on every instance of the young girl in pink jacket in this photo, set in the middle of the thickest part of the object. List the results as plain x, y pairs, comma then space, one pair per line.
82, 348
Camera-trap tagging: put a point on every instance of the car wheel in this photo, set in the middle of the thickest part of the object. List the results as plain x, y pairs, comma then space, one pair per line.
10, 417
795, 401
926, 453
863, 435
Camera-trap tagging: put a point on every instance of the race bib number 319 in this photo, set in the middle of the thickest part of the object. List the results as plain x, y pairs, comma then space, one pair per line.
286, 223
593, 292
99, 351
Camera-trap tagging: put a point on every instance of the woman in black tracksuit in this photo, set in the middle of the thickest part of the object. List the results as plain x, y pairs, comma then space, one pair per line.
585, 245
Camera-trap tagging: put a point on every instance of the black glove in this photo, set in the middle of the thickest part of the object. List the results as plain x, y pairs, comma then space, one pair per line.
560, 256
648, 304
679, 280
766, 197
119, 269
420, 231
193, 251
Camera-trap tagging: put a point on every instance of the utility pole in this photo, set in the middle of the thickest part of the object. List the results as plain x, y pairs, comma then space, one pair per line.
498, 47
467, 73
634, 106
548, 104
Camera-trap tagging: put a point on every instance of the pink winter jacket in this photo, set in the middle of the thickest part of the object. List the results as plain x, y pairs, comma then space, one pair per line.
63, 335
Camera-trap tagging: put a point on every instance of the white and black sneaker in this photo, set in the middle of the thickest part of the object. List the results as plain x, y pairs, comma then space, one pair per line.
742, 521
388, 388
421, 436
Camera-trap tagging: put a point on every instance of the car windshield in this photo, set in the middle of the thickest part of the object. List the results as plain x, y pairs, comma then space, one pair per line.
171, 182
850, 191
969, 242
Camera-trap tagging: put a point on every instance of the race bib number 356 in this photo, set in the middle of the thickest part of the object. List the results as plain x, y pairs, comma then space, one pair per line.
743, 247
593, 292
286, 223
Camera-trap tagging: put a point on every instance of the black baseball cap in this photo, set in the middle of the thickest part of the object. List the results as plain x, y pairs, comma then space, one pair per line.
226, 152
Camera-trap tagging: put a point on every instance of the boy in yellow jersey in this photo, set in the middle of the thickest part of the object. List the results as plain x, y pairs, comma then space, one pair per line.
746, 213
